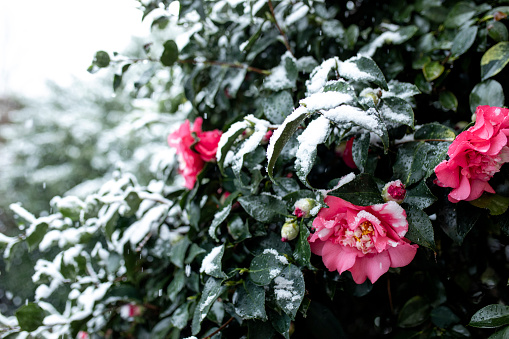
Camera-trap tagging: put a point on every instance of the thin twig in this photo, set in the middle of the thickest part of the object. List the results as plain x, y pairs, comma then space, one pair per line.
390, 295
219, 329
287, 44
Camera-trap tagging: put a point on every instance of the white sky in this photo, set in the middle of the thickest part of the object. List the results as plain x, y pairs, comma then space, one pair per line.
56, 40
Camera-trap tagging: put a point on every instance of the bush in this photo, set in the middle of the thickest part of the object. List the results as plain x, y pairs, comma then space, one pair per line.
337, 128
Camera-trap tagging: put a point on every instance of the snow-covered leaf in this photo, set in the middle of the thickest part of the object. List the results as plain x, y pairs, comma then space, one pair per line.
211, 292
282, 135
289, 290
283, 76
362, 68
227, 140
389, 37
403, 90
263, 208
316, 133
266, 266
362, 190
397, 110
211, 264
249, 301
180, 317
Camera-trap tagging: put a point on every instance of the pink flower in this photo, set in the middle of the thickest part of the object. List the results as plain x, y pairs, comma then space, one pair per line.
83, 335
194, 148
344, 150
476, 155
394, 191
365, 240
129, 311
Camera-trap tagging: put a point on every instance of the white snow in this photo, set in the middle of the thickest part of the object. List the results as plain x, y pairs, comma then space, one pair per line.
285, 290
228, 134
299, 11
325, 100
386, 37
348, 69
282, 259
319, 75
345, 114
316, 133
278, 132
207, 266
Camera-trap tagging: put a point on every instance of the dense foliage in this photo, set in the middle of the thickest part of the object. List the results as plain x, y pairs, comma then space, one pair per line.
338, 128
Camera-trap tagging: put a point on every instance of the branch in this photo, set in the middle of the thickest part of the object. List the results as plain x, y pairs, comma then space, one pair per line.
219, 329
287, 44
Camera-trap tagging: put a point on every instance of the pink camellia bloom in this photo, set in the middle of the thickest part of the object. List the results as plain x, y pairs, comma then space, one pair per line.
365, 240
394, 191
476, 155
344, 150
192, 161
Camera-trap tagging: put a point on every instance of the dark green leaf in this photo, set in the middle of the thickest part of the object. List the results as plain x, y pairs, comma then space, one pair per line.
211, 264
221, 215
420, 229
457, 219
495, 203
266, 266
448, 100
161, 329
170, 53
30, 317
178, 252
263, 208
277, 107
281, 323
35, 237
494, 60
117, 81
250, 301
176, 285
238, 229
502, 334
443, 317
289, 290
491, 316
324, 322
434, 131
460, 14
498, 31
414, 312
210, 293
180, 317
360, 150
340, 86
417, 160
302, 253
489, 92
362, 191
423, 85
420, 196
102, 59
432, 70
351, 36
463, 41
194, 251
284, 186
258, 329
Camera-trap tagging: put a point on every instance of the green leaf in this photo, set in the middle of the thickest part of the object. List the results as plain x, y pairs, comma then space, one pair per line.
360, 150
289, 290
283, 76
178, 252
397, 110
302, 253
434, 131
194, 251
417, 160
457, 219
491, 316
362, 191
443, 317
176, 285
266, 266
281, 137
489, 92
263, 208
161, 329
448, 100
494, 60
463, 41
414, 312
281, 323
495, 203
423, 85
35, 237
420, 196
238, 229
402, 90
170, 53
432, 70
502, 334
210, 293
102, 59
340, 86
180, 317
219, 217
351, 36
227, 140
459, 14
498, 31
30, 317
278, 106
420, 229
250, 301
284, 186
361, 68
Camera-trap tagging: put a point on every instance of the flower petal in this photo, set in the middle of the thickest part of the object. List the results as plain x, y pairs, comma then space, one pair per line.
370, 266
402, 254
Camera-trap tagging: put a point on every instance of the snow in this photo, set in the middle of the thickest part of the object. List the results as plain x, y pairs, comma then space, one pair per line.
344, 114
285, 290
316, 133
274, 272
278, 132
282, 259
386, 37
207, 265
343, 181
23, 213
320, 74
348, 69
325, 100
228, 134
299, 11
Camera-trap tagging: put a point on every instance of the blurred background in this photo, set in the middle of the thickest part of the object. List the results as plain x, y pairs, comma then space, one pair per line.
64, 130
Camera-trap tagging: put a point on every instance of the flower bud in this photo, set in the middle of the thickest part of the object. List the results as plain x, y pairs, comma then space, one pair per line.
394, 191
83, 335
266, 137
129, 311
289, 231
303, 207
